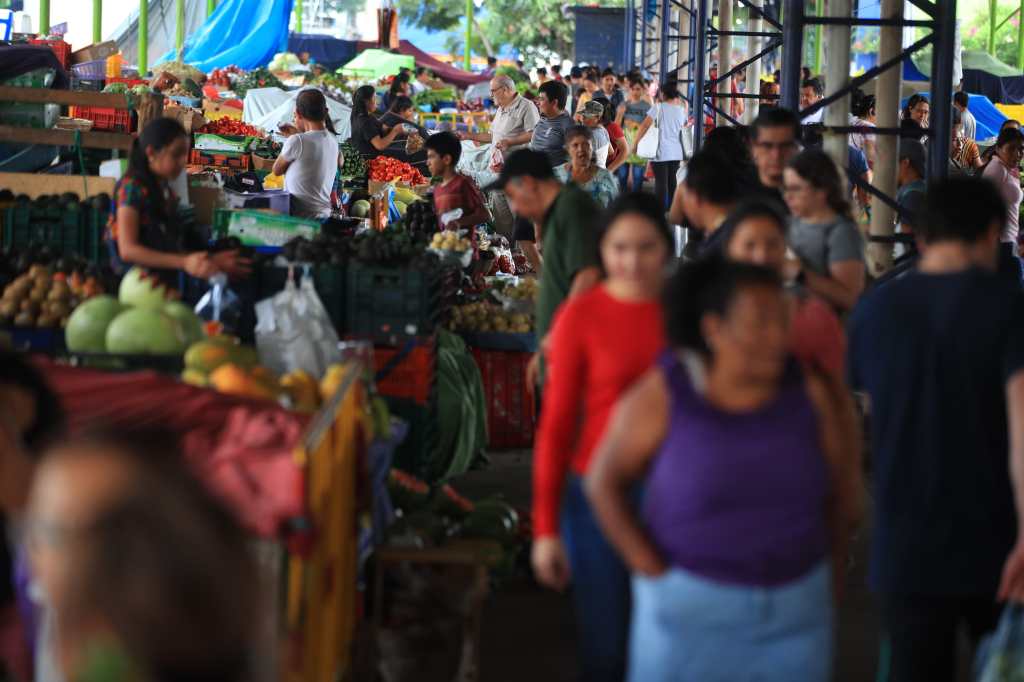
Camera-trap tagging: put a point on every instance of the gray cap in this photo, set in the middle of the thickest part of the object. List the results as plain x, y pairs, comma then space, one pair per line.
592, 109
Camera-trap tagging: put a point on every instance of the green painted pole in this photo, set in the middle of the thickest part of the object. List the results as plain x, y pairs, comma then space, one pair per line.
143, 37
298, 16
993, 7
211, 5
179, 38
97, 21
467, 63
819, 10
1020, 36
44, 17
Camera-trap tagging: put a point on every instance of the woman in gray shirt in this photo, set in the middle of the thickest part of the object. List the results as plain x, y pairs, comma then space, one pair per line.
828, 245
669, 115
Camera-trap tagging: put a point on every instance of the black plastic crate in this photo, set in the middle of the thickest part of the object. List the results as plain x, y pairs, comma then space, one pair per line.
418, 452
54, 226
393, 301
87, 84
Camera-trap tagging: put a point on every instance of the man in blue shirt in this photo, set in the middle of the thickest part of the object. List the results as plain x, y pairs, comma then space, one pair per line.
940, 353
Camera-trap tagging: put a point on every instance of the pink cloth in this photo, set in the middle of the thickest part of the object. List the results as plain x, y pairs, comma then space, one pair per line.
816, 336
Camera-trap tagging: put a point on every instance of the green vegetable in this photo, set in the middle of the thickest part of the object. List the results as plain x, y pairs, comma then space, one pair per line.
117, 88
430, 97
354, 166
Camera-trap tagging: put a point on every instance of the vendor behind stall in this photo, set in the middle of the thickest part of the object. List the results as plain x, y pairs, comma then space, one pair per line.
456, 191
369, 134
144, 226
309, 159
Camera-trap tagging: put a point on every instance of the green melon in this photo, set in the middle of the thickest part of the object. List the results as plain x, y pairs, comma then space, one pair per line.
190, 323
87, 327
142, 289
144, 332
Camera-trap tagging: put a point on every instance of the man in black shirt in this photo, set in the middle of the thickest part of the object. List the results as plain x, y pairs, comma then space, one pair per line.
775, 139
940, 353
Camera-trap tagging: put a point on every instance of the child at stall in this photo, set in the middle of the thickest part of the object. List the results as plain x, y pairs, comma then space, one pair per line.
456, 190
310, 159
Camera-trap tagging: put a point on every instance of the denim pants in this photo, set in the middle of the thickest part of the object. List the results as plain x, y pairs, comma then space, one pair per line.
600, 590
687, 628
623, 174
1009, 264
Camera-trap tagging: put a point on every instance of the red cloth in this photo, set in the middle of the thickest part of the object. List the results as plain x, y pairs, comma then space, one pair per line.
461, 192
241, 448
815, 335
599, 346
615, 133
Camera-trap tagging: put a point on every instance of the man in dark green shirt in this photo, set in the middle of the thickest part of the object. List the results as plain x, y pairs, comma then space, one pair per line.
565, 218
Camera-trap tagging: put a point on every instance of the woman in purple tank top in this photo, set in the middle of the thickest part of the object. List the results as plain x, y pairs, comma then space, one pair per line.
743, 453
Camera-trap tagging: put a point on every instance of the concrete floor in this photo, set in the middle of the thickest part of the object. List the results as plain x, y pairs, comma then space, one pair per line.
528, 632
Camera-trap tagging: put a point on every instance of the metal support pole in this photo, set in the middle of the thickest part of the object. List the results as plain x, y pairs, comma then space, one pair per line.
993, 9
686, 38
942, 89
699, 72
724, 54
630, 33
97, 21
143, 58
179, 38
467, 62
298, 16
754, 70
211, 6
792, 49
1020, 37
44, 17
643, 34
887, 106
836, 77
663, 67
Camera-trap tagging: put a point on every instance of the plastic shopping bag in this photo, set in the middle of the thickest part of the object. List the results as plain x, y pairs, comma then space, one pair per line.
294, 331
1000, 657
220, 304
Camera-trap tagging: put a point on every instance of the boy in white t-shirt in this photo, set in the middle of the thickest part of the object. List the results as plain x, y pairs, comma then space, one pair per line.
310, 158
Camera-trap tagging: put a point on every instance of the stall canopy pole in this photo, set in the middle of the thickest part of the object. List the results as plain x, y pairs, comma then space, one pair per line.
298, 15
211, 5
819, 10
993, 8
44, 16
837, 76
143, 37
1020, 36
179, 39
468, 59
97, 21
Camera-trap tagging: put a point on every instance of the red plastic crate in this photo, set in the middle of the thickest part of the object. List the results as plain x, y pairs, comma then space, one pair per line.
130, 82
110, 120
413, 377
510, 407
59, 47
232, 160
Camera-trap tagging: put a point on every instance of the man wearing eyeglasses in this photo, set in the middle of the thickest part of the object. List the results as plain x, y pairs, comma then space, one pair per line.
515, 120
775, 138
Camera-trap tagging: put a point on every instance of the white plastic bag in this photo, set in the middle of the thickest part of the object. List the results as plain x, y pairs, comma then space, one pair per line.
220, 304
294, 331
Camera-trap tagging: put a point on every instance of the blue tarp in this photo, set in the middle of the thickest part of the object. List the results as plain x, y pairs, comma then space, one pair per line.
985, 113
246, 33
324, 50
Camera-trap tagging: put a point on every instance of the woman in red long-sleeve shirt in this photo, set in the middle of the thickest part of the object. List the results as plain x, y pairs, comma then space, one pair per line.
601, 342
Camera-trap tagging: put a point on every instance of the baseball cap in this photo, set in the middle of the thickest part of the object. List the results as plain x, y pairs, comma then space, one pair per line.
592, 109
522, 163
576, 72
913, 151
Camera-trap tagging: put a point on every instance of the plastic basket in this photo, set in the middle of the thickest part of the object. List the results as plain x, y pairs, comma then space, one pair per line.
393, 301
408, 372
113, 120
59, 47
193, 102
130, 82
52, 226
86, 85
47, 340
232, 160
208, 142
256, 228
94, 70
510, 407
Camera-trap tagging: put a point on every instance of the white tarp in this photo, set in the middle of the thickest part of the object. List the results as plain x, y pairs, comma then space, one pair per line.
340, 114
259, 102
476, 163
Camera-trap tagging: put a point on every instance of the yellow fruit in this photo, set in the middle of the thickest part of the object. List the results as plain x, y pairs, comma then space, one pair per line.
234, 380
331, 382
261, 373
206, 356
303, 390
195, 378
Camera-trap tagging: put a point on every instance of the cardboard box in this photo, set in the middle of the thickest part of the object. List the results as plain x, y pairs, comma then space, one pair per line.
189, 119
377, 186
205, 200
94, 52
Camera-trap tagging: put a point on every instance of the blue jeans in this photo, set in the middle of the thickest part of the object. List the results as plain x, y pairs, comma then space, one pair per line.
600, 590
687, 628
623, 175
1010, 267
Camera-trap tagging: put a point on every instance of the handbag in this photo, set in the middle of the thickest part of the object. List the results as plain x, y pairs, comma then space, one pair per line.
1000, 657
647, 147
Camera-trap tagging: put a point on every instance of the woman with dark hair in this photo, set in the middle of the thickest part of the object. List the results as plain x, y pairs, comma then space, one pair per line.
747, 486
828, 245
582, 168
310, 159
1004, 171
755, 232
402, 112
669, 115
143, 229
371, 137
601, 342
631, 113
864, 114
914, 118
618, 149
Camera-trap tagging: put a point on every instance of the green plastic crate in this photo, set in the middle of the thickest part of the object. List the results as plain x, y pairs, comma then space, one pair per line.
259, 228
393, 301
209, 142
59, 229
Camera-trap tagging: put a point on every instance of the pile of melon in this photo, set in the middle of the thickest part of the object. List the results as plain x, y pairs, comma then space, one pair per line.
145, 319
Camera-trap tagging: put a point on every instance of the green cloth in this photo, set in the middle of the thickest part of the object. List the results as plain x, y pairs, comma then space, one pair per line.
569, 239
462, 410
375, 64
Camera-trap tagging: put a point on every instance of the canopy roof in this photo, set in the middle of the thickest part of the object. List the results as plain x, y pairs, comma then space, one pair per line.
377, 64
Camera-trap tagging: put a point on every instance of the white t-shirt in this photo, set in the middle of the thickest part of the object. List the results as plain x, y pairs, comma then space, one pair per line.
670, 119
310, 177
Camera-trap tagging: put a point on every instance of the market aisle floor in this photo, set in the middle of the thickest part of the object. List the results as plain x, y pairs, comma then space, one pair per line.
528, 632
